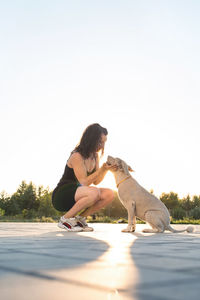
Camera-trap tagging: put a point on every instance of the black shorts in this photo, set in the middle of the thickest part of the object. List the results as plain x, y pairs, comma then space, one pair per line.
63, 196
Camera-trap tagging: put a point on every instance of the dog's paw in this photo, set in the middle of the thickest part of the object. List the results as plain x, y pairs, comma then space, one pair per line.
129, 229
147, 230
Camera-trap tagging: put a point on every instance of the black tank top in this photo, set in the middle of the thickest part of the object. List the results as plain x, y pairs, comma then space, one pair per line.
70, 177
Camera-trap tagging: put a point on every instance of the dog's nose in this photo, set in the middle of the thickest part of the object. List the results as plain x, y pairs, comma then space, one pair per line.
109, 157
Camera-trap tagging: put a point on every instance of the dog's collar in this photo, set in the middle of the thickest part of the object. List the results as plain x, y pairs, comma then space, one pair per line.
123, 180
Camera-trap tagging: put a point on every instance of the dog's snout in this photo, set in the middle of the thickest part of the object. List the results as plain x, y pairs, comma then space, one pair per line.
110, 160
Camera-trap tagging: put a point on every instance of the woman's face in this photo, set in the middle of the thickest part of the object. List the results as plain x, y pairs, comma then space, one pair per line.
102, 142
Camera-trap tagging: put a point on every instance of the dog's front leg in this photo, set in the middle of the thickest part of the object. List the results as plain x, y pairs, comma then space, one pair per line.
134, 221
131, 217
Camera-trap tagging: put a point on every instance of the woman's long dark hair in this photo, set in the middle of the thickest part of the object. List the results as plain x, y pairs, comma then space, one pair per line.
90, 140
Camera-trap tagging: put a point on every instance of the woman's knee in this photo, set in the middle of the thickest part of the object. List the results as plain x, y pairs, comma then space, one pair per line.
107, 194
94, 195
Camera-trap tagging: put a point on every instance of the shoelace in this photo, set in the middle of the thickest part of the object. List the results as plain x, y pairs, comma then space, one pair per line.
82, 222
72, 223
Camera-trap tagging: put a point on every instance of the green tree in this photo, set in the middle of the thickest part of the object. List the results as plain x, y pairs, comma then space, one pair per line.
4, 198
9, 204
171, 200
186, 204
12, 206
195, 201
27, 196
24, 198
46, 208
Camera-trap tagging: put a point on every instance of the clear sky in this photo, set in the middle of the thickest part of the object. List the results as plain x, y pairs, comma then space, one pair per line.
132, 66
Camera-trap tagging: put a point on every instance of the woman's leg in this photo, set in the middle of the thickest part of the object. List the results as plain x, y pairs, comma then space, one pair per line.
106, 197
85, 197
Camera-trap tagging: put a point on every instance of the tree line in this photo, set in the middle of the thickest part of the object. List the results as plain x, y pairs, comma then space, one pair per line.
30, 202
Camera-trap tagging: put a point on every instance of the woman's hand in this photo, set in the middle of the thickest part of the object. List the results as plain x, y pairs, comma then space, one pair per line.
107, 167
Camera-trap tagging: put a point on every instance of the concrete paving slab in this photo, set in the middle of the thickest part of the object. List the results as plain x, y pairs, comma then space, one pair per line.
41, 261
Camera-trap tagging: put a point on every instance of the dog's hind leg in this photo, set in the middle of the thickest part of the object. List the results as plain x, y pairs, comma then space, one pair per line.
131, 217
154, 220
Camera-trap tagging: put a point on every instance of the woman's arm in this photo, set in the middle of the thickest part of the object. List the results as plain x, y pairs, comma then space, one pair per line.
103, 172
80, 171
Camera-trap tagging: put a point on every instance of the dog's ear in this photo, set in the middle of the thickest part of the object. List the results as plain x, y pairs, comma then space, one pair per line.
118, 163
130, 169
124, 167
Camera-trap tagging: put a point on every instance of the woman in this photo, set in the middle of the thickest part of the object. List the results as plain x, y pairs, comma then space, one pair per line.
73, 192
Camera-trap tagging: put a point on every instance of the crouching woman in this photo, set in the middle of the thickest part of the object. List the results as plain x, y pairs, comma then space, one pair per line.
74, 193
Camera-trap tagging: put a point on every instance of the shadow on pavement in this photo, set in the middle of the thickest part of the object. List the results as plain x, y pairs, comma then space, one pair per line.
167, 264
33, 255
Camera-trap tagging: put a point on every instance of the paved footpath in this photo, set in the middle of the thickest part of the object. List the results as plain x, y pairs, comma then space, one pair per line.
42, 262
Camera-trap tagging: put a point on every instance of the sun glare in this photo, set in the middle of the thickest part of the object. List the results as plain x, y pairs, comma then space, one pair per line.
108, 182
121, 271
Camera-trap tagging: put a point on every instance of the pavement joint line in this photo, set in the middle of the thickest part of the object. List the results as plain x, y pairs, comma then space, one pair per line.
152, 243
63, 280
167, 283
137, 255
150, 297
162, 270
51, 255
196, 270
41, 242
52, 248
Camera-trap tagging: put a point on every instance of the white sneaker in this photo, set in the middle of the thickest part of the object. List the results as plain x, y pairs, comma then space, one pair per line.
69, 224
81, 221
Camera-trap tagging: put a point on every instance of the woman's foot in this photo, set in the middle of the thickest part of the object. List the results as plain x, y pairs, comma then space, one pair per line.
69, 224
81, 221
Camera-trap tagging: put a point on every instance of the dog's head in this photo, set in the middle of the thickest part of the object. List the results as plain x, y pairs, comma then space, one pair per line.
122, 166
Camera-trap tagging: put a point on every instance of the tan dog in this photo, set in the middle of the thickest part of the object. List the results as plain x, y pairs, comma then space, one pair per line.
139, 202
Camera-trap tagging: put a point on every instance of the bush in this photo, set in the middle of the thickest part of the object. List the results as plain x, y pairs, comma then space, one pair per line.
195, 213
47, 219
29, 213
185, 221
100, 219
2, 212
122, 220
178, 213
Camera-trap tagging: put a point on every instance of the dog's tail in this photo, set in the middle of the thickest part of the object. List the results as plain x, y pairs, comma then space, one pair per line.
188, 229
